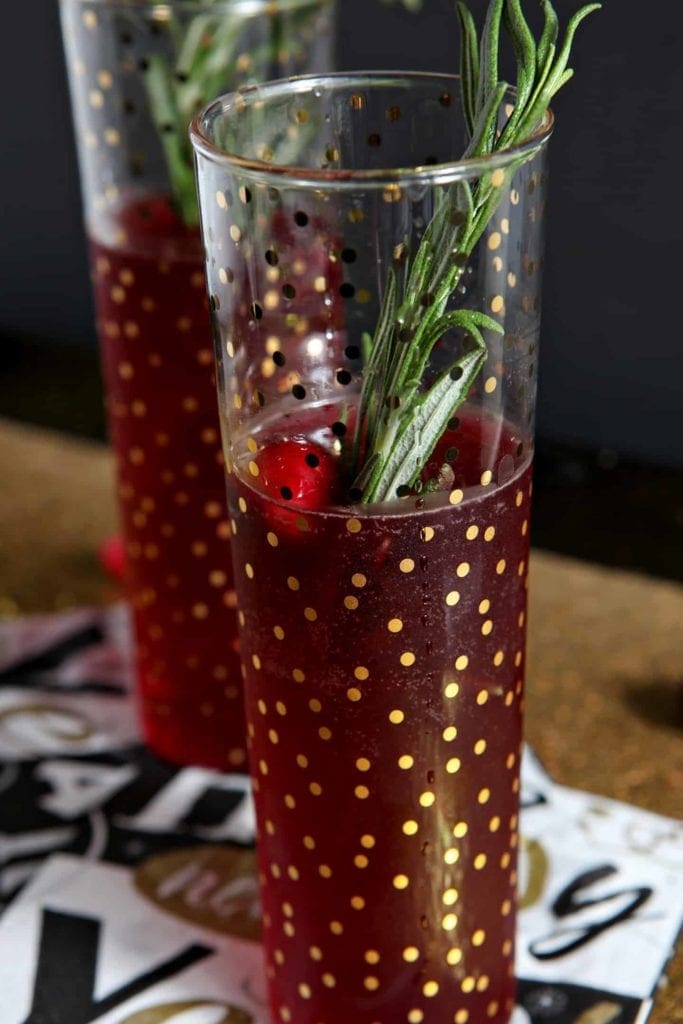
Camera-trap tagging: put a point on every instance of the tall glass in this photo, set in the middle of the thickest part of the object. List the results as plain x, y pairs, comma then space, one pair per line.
139, 70
382, 613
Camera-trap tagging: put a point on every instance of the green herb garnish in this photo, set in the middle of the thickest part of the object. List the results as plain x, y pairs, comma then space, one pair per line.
400, 420
210, 57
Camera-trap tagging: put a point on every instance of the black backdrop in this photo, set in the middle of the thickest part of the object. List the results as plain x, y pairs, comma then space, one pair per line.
612, 366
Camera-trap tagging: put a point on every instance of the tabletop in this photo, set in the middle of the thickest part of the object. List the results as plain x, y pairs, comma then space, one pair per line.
604, 707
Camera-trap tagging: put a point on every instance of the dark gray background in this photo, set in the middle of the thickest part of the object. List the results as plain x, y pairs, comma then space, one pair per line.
612, 366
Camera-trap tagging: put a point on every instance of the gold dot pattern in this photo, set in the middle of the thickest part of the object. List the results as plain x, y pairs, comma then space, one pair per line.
147, 307
402, 605
164, 431
357, 874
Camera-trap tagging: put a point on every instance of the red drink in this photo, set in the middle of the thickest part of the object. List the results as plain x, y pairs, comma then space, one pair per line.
384, 693
158, 367
138, 72
380, 495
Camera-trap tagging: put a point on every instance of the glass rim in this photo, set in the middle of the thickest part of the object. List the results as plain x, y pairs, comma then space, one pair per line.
158, 9
344, 178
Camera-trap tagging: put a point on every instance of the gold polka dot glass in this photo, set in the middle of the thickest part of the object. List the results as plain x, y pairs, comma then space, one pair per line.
383, 636
138, 72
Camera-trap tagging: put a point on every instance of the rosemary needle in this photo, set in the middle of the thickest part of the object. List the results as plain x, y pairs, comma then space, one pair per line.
400, 420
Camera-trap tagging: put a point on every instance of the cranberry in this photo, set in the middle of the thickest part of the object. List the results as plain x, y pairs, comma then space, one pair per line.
300, 476
152, 216
473, 442
113, 557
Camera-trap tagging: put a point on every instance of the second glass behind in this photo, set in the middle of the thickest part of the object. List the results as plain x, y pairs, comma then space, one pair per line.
376, 334
139, 71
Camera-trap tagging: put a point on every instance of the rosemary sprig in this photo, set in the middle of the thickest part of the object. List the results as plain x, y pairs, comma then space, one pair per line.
208, 55
400, 420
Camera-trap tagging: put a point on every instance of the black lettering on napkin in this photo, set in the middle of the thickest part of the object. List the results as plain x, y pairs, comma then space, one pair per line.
67, 966
570, 901
32, 672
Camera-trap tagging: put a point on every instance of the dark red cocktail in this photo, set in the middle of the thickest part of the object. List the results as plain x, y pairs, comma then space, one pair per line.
379, 443
161, 398
384, 689
138, 72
